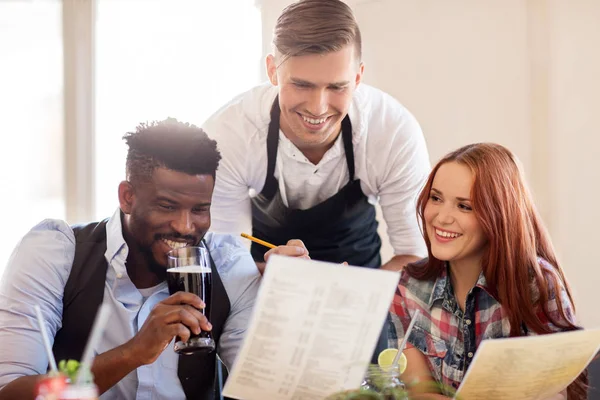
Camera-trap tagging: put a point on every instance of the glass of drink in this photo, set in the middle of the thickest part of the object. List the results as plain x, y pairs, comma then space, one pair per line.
189, 271
385, 381
50, 386
59, 387
80, 392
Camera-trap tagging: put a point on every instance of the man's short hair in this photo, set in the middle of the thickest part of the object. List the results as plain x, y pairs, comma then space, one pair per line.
316, 27
178, 146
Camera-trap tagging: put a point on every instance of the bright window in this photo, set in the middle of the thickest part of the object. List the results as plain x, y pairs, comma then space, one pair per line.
158, 59
31, 104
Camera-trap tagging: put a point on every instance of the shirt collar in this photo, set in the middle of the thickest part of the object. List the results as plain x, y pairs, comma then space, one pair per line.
482, 284
115, 243
290, 150
442, 288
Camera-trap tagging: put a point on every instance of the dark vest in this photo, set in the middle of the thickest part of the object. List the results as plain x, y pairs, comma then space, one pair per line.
84, 293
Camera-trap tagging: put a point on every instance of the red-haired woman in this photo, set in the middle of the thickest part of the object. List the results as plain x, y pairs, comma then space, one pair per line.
491, 272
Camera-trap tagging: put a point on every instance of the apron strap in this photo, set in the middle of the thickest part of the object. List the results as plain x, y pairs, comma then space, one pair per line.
270, 187
348, 147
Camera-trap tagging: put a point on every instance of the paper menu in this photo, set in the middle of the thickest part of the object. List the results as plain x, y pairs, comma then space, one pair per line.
313, 330
532, 367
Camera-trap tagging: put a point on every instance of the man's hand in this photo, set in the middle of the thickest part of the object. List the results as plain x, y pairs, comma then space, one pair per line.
293, 248
177, 315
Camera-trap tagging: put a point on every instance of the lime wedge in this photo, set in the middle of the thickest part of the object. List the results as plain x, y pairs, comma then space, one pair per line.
386, 358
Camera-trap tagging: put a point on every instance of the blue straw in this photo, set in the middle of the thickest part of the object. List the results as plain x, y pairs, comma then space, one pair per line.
220, 376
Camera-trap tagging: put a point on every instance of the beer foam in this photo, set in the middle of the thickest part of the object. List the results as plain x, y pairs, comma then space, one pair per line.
191, 269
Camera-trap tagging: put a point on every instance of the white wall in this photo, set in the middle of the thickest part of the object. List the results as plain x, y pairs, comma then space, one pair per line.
518, 72
574, 133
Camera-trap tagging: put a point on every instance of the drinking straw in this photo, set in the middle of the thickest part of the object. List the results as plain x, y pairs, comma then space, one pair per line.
405, 338
220, 376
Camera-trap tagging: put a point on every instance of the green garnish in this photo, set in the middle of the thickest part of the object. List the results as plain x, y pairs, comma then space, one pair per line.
69, 368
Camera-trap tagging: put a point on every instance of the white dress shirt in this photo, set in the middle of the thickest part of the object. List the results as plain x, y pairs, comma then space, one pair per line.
37, 273
391, 161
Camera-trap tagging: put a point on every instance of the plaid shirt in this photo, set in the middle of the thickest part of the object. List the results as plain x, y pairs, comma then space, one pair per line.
449, 337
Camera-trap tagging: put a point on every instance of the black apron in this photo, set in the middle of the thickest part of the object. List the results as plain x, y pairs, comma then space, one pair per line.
341, 228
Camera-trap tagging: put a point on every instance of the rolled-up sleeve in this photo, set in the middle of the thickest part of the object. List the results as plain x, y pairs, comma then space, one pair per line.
402, 170
560, 314
231, 208
36, 274
557, 321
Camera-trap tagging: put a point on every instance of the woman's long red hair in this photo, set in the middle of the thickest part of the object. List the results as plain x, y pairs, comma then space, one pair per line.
516, 238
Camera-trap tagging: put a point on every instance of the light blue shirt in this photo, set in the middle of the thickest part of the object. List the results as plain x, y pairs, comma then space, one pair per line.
37, 273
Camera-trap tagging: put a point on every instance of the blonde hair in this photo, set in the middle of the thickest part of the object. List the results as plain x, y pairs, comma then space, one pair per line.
316, 27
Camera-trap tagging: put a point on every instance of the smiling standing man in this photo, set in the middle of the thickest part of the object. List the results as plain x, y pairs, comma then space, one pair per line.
306, 155
68, 271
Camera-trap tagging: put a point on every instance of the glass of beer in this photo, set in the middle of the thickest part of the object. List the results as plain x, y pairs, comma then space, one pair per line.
189, 270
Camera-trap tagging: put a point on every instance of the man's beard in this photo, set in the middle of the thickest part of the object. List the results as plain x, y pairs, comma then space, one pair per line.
153, 266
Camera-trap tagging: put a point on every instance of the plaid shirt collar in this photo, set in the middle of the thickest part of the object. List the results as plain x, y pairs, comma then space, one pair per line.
442, 289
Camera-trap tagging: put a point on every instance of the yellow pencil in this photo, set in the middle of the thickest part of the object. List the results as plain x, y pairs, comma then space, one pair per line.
255, 240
